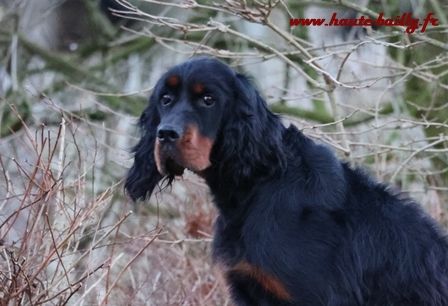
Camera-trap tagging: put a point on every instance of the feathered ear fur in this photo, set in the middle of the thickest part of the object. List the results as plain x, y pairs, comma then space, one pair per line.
143, 176
250, 141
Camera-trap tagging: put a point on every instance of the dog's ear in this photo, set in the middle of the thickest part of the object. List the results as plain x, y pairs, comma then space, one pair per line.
251, 136
143, 176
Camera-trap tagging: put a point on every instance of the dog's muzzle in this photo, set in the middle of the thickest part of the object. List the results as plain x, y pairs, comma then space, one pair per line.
176, 149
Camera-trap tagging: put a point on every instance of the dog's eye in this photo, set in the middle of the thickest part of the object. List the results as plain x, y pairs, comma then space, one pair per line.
166, 100
207, 101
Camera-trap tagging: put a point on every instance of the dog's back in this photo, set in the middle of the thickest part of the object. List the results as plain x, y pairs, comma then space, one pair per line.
329, 234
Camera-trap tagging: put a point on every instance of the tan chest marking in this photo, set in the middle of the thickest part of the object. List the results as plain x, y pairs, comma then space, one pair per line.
268, 282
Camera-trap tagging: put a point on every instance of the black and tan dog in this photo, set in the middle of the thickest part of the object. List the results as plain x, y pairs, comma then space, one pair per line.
296, 226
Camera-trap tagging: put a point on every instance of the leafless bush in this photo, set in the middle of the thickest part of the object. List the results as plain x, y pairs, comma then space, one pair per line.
63, 244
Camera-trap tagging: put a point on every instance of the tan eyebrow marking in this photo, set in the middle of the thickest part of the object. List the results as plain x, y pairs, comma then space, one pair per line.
173, 81
198, 88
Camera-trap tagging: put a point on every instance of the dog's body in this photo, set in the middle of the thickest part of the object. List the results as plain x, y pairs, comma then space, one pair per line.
296, 226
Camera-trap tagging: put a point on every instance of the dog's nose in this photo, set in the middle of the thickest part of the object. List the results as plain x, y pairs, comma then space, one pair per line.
167, 133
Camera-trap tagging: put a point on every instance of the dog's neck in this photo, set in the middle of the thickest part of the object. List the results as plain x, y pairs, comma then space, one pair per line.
233, 188
229, 195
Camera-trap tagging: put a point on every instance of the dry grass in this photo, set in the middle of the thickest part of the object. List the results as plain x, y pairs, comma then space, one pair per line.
66, 241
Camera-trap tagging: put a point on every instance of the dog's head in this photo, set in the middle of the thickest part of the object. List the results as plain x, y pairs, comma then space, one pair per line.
200, 113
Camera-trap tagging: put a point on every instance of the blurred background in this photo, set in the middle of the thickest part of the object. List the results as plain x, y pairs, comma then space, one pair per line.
76, 74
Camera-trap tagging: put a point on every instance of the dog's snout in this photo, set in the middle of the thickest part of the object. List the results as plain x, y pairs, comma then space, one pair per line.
168, 133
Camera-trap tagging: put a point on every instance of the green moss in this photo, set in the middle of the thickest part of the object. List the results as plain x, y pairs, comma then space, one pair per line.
14, 114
